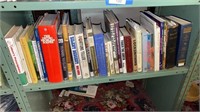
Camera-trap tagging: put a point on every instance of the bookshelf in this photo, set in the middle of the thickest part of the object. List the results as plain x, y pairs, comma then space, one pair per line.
157, 82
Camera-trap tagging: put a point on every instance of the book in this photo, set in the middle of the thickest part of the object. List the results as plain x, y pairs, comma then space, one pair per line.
128, 49
100, 49
48, 37
10, 39
161, 23
184, 32
123, 55
62, 53
110, 28
90, 39
80, 43
171, 43
152, 28
24, 39
74, 52
109, 55
37, 38
65, 23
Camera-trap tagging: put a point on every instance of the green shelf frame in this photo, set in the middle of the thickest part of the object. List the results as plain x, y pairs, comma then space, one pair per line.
24, 5
5, 90
97, 80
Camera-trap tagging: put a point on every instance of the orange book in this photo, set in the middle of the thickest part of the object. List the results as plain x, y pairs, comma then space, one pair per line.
48, 36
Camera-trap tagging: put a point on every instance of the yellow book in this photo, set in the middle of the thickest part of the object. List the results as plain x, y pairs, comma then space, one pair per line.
24, 38
65, 23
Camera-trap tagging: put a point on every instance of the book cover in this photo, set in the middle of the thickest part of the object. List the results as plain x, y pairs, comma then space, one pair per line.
90, 39
65, 23
107, 54
10, 39
74, 52
80, 43
24, 39
128, 49
37, 38
123, 55
184, 32
48, 37
100, 49
62, 53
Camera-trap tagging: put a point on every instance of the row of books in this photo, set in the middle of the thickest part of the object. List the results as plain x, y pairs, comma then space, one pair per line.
49, 49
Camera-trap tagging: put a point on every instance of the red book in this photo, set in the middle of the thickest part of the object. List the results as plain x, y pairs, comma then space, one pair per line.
48, 37
128, 49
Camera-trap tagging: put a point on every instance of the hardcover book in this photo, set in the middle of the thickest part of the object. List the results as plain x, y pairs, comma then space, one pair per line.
48, 37
184, 32
100, 49
123, 55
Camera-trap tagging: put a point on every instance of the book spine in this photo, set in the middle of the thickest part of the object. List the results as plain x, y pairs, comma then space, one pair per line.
28, 59
107, 58
34, 44
14, 54
67, 51
118, 46
171, 47
82, 55
123, 55
161, 44
139, 50
134, 54
75, 57
151, 52
183, 43
100, 52
49, 43
92, 52
144, 52
62, 56
111, 59
128, 52
165, 37
37, 38
34, 59
157, 49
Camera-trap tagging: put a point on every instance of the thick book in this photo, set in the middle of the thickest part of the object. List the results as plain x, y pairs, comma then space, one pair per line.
80, 43
171, 44
62, 53
24, 39
90, 39
128, 49
123, 55
48, 37
37, 38
74, 52
100, 49
184, 32
152, 28
109, 55
10, 39
65, 23
110, 28
161, 23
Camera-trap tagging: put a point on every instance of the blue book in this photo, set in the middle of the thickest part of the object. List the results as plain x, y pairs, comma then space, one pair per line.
37, 38
100, 49
184, 32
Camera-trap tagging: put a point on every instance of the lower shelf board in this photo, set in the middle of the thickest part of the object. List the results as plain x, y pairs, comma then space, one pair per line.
5, 90
97, 80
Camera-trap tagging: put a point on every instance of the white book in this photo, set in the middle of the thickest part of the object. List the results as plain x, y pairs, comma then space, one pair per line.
151, 26
123, 55
10, 40
81, 51
25, 67
74, 52
138, 35
38, 61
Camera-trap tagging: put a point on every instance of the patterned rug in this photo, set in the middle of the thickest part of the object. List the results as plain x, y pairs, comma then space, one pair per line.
119, 96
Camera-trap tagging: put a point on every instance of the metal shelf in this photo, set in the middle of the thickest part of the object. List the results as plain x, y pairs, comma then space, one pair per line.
96, 80
23, 5
5, 90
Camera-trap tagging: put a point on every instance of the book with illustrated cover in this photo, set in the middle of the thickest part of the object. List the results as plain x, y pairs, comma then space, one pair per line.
80, 43
48, 28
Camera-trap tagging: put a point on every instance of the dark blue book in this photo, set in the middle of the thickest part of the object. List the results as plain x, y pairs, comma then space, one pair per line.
184, 32
100, 49
37, 38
